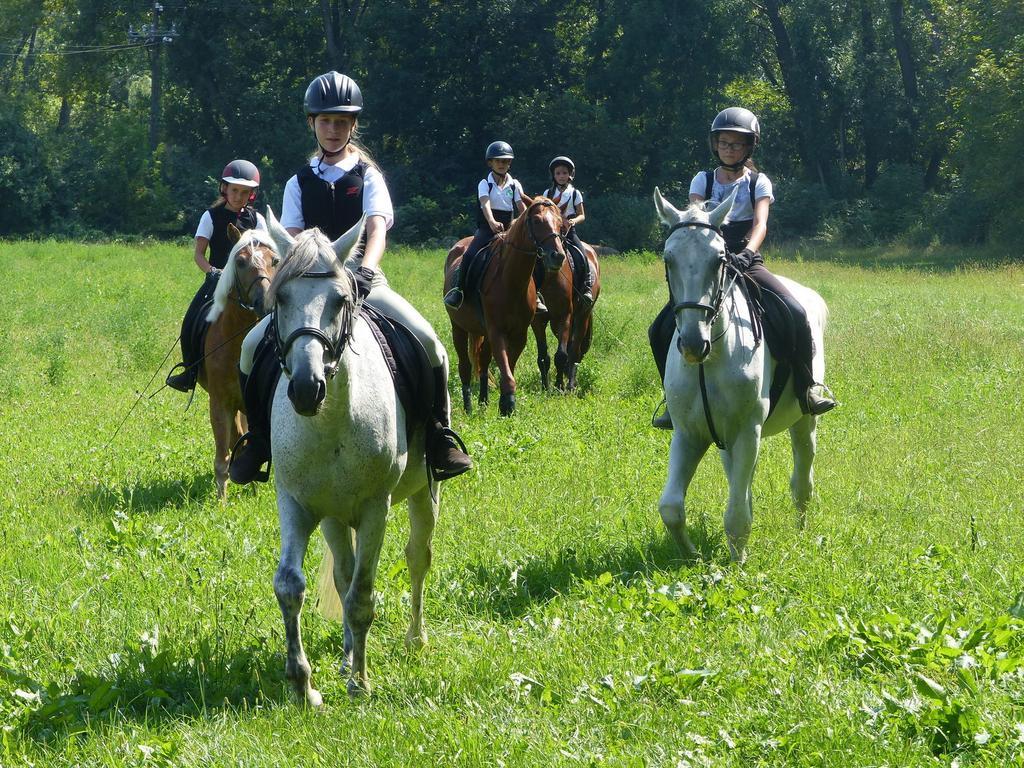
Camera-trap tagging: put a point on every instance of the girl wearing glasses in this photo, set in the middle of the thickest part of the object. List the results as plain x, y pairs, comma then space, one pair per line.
735, 133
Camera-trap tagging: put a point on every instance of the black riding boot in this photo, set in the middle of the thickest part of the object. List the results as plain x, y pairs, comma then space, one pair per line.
446, 453
582, 275
252, 450
660, 336
191, 358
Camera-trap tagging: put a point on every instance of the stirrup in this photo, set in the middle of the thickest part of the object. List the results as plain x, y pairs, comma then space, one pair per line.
662, 419
541, 306
454, 298
437, 473
245, 442
827, 401
182, 382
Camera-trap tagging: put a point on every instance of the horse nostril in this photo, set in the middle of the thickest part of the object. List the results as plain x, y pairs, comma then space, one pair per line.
321, 392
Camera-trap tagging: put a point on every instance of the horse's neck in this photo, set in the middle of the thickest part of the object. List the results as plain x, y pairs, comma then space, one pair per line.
516, 258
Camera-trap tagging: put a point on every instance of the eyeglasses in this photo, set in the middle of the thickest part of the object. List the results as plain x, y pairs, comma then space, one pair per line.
735, 146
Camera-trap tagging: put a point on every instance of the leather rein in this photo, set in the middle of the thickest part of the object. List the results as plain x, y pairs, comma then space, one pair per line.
714, 311
332, 347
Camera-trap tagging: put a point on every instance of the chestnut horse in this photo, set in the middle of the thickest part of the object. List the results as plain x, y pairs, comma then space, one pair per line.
237, 306
507, 301
570, 320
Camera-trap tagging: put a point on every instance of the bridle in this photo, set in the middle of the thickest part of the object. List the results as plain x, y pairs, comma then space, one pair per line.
538, 244
714, 309
242, 297
333, 348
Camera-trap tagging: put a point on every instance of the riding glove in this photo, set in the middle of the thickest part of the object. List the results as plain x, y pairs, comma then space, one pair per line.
743, 260
364, 281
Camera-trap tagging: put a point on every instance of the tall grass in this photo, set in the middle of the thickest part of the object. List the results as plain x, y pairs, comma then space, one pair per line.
138, 623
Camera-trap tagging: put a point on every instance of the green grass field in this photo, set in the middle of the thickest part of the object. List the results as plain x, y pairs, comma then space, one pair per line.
138, 624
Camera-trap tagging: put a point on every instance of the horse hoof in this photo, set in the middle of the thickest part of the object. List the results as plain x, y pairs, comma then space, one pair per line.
313, 699
414, 642
358, 690
507, 405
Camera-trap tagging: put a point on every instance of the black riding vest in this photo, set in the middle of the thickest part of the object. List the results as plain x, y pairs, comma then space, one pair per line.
220, 245
333, 208
736, 233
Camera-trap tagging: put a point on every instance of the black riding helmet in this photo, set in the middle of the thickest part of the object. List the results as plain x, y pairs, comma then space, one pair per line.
562, 160
737, 120
243, 173
499, 150
333, 93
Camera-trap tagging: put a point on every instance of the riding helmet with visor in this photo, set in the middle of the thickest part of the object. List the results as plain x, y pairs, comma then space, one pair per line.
333, 93
499, 150
243, 173
737, 120
562, 160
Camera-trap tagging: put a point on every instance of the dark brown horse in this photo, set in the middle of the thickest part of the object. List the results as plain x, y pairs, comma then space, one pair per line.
571, 322
508, 299
238, 305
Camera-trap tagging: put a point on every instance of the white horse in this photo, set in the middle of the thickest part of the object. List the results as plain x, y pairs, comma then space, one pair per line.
341, 457
717, 388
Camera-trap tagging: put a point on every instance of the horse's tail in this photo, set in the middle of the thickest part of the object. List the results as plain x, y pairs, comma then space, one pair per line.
328, 601
476, 345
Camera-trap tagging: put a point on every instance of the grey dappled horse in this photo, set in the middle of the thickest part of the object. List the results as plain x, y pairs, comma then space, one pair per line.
341, 457
715, 340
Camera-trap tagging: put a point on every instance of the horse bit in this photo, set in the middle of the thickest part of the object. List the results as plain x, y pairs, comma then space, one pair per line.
249, 307
333, 349
714, 310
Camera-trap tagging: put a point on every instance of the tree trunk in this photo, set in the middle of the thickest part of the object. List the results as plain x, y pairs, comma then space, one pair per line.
812, 135
341, 20
871, 109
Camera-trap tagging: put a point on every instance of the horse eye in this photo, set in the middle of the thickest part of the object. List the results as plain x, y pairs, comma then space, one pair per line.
275, 260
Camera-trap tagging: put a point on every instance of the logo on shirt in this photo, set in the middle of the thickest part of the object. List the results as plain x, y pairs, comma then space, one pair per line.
352, 191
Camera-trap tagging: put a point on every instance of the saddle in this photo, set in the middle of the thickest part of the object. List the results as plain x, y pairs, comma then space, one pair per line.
407, 361
773, 321
196, 327
475, 279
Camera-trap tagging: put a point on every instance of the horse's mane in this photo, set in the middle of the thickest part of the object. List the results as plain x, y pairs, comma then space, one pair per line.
307, 253
520, 221
251, 237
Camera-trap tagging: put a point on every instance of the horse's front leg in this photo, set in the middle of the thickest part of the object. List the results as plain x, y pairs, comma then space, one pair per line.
221, 422
739, 460
460, 338
338, 536
543, 361
422, 518
505, 359
290, 588
561, 328
485, 366
359, 602
684, 455
803, 435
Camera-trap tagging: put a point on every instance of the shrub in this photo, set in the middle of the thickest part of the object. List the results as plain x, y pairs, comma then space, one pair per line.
625, 222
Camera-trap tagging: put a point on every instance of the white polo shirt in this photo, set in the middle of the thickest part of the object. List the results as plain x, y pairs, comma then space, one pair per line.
503, 198
376, 198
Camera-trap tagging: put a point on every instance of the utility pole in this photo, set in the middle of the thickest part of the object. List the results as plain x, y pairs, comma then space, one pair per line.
154, 39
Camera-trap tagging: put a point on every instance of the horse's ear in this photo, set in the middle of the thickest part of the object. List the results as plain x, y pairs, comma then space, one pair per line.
347, 243
717, 216
234, 235
667, 212
526, 199
279, 234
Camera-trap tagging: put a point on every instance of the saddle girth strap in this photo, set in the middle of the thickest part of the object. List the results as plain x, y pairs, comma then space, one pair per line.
707, 409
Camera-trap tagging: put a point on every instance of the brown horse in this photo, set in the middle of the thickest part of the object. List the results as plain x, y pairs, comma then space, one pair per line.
508, 299
238, 305
571, 322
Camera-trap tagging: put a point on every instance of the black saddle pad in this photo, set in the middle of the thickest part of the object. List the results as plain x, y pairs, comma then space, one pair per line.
410, 367
408, 362
197, 328
475, 278
777, 325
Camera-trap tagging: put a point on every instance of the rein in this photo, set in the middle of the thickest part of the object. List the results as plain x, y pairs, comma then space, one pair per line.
333, 348
714, 311
237, 287
538, 244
